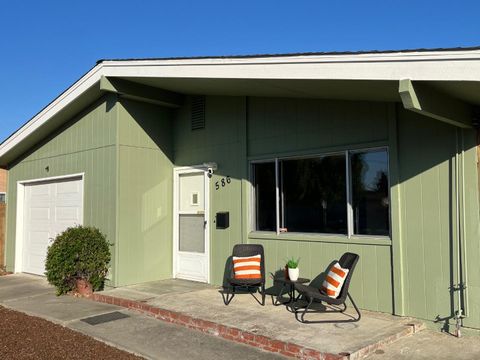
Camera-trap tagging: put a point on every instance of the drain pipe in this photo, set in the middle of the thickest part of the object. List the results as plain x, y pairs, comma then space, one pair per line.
460, 313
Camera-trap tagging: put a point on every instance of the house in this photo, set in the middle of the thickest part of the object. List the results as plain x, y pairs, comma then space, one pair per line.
310, 155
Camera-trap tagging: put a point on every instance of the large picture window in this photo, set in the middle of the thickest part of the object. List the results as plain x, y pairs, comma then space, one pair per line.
344, 193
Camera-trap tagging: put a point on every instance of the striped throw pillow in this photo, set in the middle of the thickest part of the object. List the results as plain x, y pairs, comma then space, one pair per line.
332, 285
247, 267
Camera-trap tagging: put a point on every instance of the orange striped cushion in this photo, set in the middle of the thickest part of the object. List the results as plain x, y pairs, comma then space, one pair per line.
332, 285
247, 267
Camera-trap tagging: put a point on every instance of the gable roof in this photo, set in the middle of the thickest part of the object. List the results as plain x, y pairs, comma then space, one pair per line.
454, 65
311, 53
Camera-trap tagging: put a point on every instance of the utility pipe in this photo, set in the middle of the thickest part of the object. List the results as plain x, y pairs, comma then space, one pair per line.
459, 231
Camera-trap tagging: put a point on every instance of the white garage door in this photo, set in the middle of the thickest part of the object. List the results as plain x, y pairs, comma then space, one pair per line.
50, 208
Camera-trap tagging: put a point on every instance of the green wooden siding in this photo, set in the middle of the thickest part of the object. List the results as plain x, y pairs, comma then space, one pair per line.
282, 126
412, 273
426, 148
238, 129
371, 284
471, 230
145, 193
429, 219
85, 145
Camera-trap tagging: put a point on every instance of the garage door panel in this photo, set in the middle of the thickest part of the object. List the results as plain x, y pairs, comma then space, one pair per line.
40, 191
31, 264
67, 214
37, 240
70, 187
39, 214
50, 208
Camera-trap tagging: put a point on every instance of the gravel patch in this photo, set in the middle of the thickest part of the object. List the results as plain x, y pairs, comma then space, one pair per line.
28, 337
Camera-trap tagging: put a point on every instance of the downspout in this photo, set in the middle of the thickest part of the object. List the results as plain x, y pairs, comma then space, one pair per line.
464, 235
461, 286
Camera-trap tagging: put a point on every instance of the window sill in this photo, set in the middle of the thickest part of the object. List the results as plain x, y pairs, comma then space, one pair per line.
326, 238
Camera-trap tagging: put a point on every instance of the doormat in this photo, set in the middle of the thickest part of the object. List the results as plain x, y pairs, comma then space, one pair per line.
104, 318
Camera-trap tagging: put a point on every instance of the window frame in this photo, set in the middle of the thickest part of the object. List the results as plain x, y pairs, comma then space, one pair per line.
349, 193
5, 197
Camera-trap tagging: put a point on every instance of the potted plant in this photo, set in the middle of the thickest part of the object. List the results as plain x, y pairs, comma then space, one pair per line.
77, 261
293, 270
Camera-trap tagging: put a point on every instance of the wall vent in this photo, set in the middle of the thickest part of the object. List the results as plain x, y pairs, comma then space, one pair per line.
198, 112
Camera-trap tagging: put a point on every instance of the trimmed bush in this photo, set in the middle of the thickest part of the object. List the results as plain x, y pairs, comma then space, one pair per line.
79, 252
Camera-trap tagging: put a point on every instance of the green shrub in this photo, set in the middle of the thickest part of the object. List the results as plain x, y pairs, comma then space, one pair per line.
79, 252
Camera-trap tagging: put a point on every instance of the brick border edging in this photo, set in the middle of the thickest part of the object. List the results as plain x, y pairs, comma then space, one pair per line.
223, 331
245, 337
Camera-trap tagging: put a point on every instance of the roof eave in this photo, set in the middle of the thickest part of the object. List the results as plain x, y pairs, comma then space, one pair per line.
444, 65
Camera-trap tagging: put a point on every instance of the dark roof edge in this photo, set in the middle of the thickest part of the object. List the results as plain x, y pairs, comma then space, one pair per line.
296, 54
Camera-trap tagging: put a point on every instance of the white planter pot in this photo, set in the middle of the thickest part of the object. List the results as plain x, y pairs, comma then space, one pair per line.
293, 274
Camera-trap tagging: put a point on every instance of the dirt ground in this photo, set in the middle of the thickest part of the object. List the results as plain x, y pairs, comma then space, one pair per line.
28, 337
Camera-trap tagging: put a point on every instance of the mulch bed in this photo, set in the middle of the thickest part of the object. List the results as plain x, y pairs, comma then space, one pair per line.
28, 337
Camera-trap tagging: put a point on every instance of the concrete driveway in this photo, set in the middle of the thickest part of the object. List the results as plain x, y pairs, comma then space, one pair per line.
116, 326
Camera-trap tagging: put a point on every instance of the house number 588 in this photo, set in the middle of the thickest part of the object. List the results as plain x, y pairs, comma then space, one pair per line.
222, 182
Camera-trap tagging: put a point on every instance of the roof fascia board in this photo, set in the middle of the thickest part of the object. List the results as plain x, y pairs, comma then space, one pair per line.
358, 68
424, 100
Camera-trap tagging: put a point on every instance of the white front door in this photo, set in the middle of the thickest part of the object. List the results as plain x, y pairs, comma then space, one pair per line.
191, 225
50, 207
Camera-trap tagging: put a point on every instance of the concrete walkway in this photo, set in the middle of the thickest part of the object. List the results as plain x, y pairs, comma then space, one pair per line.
134, 332
270, 327
429, 345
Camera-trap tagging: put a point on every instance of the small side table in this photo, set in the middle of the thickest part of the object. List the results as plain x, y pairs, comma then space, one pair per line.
287, 283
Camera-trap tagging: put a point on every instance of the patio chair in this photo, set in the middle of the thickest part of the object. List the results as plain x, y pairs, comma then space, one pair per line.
310, 294
233, 285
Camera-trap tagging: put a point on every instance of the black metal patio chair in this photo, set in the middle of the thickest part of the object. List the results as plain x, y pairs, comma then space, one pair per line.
313, 294
250, 285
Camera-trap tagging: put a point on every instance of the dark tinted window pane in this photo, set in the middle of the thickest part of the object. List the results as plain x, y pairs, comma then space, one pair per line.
264, 174
370, 193
314, 195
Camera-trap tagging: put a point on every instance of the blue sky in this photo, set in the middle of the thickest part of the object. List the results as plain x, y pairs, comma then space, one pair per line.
47, 45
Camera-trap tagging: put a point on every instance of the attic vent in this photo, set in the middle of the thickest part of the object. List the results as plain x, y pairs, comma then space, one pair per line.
198, 112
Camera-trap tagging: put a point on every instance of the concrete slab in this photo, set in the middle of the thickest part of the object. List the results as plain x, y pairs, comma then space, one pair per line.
275, 322
429, 344
59, 309
155, 289
155, 339
20, 286
21, 278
